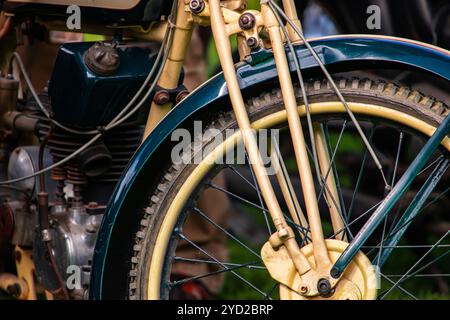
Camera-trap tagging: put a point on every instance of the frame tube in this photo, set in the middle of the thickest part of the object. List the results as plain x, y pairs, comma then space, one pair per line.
172, 69
413, 209
397, 192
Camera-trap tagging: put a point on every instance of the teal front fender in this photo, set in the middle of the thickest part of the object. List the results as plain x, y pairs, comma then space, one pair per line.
347, 53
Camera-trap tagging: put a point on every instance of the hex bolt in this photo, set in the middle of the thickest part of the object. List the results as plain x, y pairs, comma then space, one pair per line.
181, 95
324, 286
303, 289
161, 97
197, 6
247, 21
252, 42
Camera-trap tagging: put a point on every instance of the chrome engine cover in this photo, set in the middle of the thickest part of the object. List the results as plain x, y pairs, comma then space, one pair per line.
74, 232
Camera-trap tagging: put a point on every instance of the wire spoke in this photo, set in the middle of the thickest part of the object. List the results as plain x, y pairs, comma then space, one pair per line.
427, 265
276, 8
271, 291
407, 246
358, 181
431, 164
203, 215
425, 275
292, 195
266, 219
227, 269
397, 157
193, 260
251, 285
356, 219
332, 160
398, 287
231, 194
242, 177
415, 264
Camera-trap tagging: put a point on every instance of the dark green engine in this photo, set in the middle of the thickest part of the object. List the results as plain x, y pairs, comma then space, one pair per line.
91, 83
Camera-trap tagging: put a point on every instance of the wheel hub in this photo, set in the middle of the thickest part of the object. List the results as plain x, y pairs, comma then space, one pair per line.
358, 282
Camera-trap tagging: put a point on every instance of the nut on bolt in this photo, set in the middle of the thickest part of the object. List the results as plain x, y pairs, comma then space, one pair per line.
161, 97
181, 95
324, 287
252, 42
197, 6
247, 21
303, 289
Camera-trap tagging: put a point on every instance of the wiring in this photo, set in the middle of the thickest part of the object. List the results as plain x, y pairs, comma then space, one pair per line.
117, 120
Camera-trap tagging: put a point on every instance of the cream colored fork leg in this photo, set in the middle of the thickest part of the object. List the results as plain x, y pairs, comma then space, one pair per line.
224, 51
320, 250
288, 190
330, 190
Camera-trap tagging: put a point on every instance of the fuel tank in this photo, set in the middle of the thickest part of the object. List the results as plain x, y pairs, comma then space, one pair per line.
82, 96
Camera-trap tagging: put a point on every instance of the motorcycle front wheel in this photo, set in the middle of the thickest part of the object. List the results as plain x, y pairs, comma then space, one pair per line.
203, 227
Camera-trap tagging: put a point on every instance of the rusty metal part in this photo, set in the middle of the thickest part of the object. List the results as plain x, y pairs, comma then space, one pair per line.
14, 286
74, 174
197, 6
252, 42
25, 270
43, 211
6, 223
247, 21
161, 97
58, 173
359, 282
102, 58
8, 94
44, 225
14, 120
121, 142
181, 95
22, 221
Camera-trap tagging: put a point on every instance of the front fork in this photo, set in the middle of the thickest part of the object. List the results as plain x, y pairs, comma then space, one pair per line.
226, 22
312, 277
284, 235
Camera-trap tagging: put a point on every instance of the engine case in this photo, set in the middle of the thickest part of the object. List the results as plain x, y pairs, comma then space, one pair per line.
74, 232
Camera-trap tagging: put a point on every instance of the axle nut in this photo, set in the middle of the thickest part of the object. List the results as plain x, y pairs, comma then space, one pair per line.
324, 287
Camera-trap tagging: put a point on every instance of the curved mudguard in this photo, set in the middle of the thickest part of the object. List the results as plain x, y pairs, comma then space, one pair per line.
350, 52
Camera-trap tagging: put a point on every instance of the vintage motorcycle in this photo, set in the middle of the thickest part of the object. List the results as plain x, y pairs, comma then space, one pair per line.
100, 200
